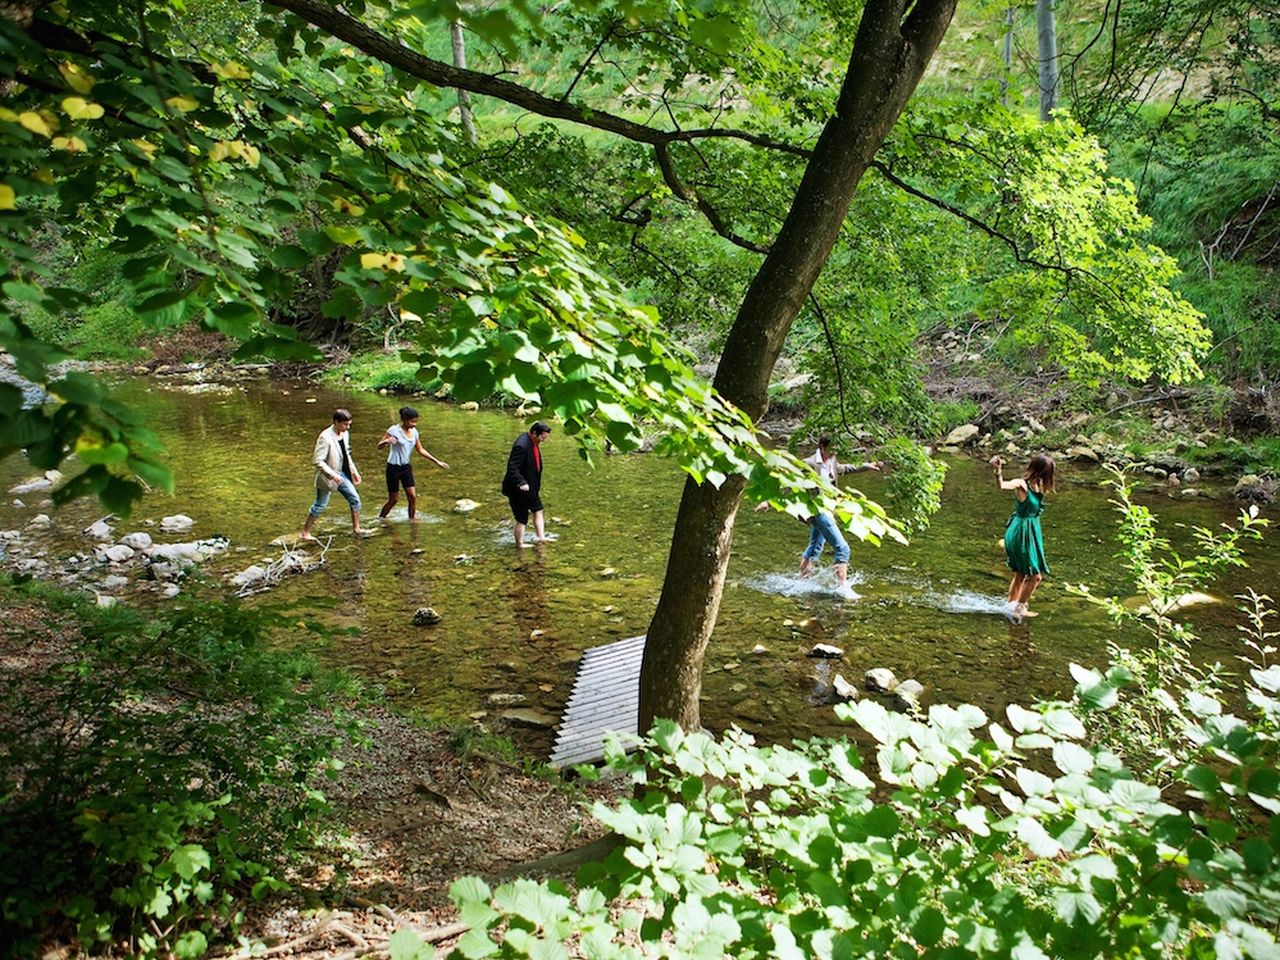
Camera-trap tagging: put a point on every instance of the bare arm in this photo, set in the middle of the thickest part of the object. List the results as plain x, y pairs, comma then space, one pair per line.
386, 439
1017, 483
431, 456
865, 465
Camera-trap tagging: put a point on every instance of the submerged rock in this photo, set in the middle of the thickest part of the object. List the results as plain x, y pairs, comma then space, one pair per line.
844, 690
826, 651
426, 617
464, 505
529, 717
178, 523
99, 530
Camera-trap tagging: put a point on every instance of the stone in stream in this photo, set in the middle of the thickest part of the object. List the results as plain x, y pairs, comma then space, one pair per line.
907, 693
18, 504
844, 690
41, 521
116, 553
178, 523
507, 699
826, 651
248, 577
464, 505
426, 617
529, 717
99, 530
138, 541
881, 679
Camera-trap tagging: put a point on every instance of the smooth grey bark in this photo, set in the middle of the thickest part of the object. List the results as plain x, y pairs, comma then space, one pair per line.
464, 98
1047, 46
1009, 16
890, 53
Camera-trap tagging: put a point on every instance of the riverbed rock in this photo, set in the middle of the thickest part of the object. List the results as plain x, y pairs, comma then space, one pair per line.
114, 582
1082, 452
426, 617
908, 692
170, 590
881, 679
1035, 425
249, 577
40, 521
825, 651
116, 553
31, 486
105, 601
188, 554
99, 530
961, 435
470, 406
530, 718
17, 504
845, 691
464, 505
1255, 488
1191, 475
178, 523
138, 541
507, 699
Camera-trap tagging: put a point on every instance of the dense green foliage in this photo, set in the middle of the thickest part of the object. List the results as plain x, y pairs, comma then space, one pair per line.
156, 772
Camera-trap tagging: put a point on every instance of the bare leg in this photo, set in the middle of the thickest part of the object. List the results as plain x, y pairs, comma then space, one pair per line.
355, 522
519, 534
411, 494
391, 502
1015, 587
806, 567
842, 574
1029, 585
539, 531
306, 528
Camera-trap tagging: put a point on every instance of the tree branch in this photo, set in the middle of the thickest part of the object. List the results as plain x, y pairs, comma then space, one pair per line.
685, 192
346, 28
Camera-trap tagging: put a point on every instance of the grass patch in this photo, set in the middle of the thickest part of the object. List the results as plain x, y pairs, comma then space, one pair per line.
383, 371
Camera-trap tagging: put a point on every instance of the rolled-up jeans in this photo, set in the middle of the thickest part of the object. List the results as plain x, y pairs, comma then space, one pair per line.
823, 530
346, 488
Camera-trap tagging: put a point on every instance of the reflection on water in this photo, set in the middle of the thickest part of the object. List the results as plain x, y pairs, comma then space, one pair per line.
516, 621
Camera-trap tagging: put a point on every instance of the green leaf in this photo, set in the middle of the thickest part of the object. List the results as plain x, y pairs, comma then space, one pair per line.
881, 821
189, 859
406, 944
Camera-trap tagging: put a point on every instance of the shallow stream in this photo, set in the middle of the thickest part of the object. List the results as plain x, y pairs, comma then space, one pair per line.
515, 622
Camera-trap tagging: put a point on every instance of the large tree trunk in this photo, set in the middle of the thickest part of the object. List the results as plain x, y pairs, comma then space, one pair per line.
889, 57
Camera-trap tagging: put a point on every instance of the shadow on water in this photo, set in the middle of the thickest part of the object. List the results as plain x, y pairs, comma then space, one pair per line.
516, 621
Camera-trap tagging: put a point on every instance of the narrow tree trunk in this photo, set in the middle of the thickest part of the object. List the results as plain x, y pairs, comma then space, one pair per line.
464, 98
1009, 16
1047, 40
889, 57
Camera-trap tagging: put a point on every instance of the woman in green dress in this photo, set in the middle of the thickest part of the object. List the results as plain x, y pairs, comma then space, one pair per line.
1023, 539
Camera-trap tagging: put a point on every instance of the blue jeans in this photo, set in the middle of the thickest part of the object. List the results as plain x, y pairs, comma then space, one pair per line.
823, 530
348, 491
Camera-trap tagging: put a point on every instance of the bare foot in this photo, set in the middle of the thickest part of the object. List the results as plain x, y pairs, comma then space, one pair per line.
306, 536
1029, 613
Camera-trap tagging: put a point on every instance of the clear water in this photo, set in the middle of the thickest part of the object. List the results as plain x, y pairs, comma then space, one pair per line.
933, 610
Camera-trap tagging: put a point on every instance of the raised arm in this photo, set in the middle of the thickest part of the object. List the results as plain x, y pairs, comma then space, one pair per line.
1017, 483
386, 439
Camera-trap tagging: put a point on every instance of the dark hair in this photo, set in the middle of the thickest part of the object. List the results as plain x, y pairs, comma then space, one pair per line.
824, 441
342, 415
408, 413
1040, 473
540, 427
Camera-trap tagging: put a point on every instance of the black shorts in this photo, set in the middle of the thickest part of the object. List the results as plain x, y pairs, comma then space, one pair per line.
397, 474
522, 504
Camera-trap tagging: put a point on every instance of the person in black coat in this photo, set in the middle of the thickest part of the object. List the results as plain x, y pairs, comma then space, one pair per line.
523, 481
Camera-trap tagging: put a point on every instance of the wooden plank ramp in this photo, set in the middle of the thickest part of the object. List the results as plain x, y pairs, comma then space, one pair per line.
605, 697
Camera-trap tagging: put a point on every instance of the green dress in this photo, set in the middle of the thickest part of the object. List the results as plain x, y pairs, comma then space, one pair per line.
1023, 541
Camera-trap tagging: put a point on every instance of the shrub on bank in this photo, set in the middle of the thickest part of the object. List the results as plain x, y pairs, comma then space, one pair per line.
155, 773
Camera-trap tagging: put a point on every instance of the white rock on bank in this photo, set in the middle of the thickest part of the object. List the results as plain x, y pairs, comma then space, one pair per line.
138, 541
117, 553
178, 523
99, 530
961, 435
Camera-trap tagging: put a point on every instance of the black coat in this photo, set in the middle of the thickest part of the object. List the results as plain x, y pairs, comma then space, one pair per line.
522, 468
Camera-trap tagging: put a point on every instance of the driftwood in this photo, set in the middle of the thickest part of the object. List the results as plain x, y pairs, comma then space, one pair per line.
291, 562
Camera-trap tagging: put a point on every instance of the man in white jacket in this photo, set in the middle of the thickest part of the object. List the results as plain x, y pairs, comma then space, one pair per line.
335, 470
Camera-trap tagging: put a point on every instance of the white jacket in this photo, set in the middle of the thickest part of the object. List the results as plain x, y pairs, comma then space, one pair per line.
327, 458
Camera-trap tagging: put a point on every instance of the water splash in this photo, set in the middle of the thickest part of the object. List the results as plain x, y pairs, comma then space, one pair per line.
967, 601
822, 583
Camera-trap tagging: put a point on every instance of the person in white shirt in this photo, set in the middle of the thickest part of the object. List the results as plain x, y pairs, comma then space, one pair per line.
335, 470
403, 439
